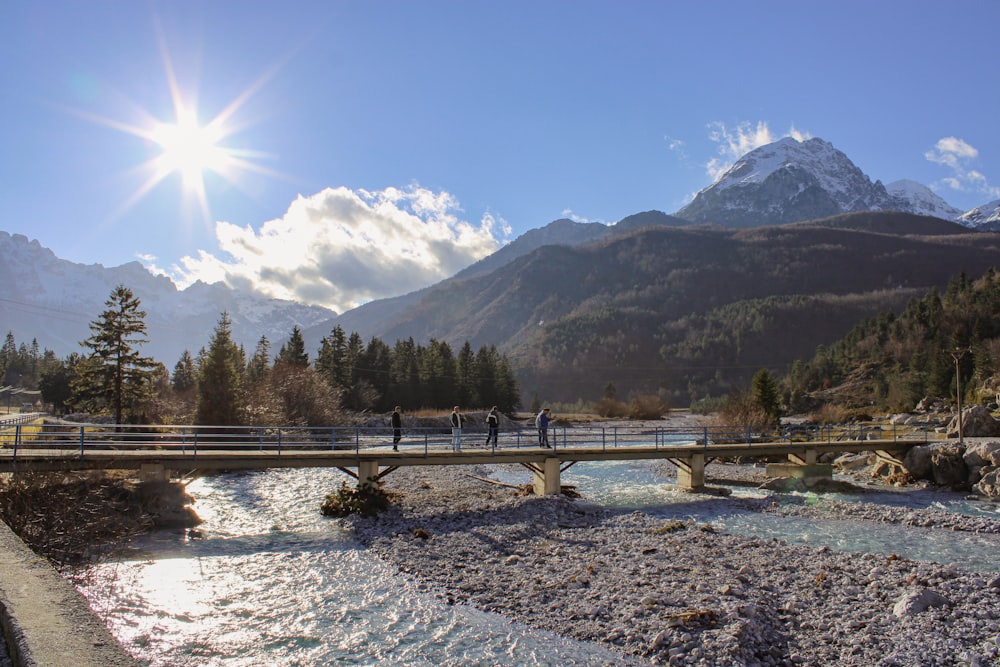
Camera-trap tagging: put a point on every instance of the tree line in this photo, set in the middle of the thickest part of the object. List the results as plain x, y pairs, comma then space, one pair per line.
223, 385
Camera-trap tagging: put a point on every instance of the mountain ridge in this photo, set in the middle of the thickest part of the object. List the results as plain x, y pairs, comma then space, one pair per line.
545, 280
57, 299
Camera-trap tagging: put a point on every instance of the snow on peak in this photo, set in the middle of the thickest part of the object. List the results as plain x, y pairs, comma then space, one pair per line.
834, 171
986, 216
917, 198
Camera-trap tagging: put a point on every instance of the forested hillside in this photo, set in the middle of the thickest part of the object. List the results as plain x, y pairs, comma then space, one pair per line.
892, 362
695, 312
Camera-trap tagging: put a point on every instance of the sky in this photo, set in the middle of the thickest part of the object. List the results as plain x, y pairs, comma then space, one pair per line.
335, 152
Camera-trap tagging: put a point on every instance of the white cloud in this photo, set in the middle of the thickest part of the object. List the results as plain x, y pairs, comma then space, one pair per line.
340, 248
736, 142
958, 156
570, 215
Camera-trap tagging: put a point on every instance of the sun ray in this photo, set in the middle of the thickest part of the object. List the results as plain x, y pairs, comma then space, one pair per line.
186, 146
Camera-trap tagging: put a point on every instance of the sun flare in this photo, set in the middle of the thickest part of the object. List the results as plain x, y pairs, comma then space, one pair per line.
189, 149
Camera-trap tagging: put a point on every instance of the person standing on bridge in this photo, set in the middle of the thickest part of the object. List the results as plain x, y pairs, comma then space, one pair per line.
397, 428
542, 423
493, 426
457, 421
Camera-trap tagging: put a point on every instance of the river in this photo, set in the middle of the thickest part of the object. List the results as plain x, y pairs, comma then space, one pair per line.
267, 580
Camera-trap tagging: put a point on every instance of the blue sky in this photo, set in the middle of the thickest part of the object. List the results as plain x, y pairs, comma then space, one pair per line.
364, 149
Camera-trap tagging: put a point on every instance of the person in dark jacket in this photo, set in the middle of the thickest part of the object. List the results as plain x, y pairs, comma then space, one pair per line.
542, 423
493, 426
397, 428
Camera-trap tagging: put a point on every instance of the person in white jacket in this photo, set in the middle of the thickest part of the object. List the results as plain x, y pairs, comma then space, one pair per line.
457, 421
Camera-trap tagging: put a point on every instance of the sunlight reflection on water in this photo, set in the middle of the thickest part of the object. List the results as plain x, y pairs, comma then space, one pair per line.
274, 582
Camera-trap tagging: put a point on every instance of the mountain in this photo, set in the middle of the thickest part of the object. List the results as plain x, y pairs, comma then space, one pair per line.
912, 197
385, 318
792, 181
689, 310
54, 301
985, 217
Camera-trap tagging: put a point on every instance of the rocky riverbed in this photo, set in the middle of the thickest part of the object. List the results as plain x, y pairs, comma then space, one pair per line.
682, 593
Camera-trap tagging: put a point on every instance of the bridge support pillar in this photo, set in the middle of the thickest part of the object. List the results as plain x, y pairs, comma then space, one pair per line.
547, 482
691, 472
367, 474
805, 459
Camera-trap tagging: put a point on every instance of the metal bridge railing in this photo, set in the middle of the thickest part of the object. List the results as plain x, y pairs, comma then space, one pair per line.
190, 440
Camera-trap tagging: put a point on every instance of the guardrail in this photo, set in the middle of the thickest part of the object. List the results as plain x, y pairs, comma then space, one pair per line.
20, 418
190, 440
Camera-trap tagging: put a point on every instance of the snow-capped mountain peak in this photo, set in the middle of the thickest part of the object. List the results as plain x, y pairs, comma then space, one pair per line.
919, 199
791, 180
787, 181
985, 217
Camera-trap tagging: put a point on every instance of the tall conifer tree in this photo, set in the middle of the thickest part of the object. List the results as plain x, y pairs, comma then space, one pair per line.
219, 379
114, 375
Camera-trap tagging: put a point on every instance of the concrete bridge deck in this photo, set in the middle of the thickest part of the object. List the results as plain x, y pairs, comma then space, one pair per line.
367, 454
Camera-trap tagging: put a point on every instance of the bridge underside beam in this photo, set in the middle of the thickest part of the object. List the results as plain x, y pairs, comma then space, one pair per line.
806, 458
889, 457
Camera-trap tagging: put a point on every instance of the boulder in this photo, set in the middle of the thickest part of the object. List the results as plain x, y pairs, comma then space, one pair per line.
851, 462
989, 485
917, 461
948, 467
977, 422
915, 602
982, 454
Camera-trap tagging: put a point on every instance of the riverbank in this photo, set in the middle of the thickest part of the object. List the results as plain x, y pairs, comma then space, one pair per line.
57, 520
676, 592
45, 621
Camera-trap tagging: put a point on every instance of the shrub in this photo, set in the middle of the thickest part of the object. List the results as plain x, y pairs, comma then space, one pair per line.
347, 500
646, 406
611, 408
830, 414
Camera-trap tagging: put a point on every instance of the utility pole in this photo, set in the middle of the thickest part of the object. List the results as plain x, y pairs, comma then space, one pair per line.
957, 356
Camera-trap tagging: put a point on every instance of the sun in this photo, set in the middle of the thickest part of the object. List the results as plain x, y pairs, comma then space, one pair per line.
190, 149
186, 147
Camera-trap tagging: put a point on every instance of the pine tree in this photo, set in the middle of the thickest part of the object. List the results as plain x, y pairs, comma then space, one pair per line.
8, 353
294, 351
765, 394
331, 360
185, 377
115, 376
465, 382
219, 386
260, 362
55, 381
375, 367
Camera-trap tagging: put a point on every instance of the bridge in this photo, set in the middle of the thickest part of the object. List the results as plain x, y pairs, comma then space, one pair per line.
367, 454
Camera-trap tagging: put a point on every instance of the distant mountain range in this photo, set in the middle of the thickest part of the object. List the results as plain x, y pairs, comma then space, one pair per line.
600, 298
54, 301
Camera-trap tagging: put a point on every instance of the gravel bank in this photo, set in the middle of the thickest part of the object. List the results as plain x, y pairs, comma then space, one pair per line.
681, 593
